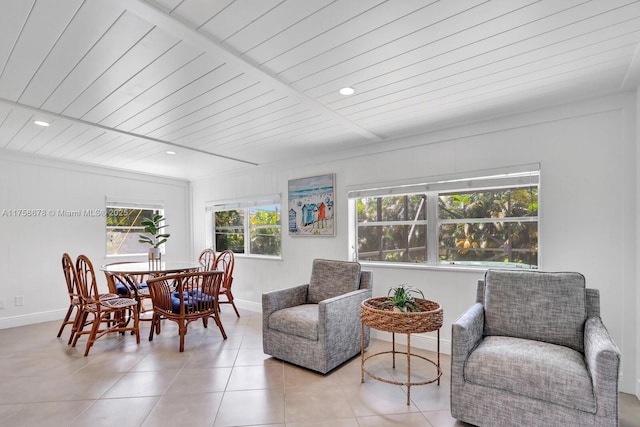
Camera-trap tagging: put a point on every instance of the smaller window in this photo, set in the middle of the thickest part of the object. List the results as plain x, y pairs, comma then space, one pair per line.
250, 228
123, 228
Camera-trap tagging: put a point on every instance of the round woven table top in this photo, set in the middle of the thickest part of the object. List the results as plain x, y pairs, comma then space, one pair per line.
415, 322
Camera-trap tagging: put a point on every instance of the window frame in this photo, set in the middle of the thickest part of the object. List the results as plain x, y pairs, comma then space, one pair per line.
491, 180
246, 206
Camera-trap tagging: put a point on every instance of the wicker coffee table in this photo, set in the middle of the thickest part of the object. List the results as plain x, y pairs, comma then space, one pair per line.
427, 320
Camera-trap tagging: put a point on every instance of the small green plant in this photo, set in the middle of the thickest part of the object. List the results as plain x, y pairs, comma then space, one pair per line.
152, 226
403, 298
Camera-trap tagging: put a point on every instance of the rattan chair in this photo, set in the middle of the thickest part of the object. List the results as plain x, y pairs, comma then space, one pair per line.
107, 314
208, 259
225, 261
69, 271
184, 298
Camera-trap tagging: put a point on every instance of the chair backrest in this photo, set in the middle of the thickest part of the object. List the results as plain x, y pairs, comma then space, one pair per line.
330, 278
225, 262
208, 259
193, 294
69, 271
86, 278
537, 305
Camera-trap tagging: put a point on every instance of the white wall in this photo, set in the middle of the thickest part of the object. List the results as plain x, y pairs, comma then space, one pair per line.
31, 248
588, 194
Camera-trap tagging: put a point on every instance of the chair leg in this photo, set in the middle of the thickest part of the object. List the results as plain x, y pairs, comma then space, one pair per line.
136, 323
230, 301
66, 322
92, 335
81, 320
216, 318
182, 331
155, 325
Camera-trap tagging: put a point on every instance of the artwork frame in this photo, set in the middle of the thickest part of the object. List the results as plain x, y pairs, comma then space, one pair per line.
311, 206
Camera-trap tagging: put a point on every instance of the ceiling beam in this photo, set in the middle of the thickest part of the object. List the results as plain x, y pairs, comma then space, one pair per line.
41, 112
179, 29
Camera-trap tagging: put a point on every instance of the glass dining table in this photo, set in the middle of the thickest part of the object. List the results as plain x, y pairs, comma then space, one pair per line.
127, 278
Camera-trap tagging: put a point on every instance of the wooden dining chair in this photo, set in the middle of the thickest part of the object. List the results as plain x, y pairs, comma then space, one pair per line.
225, 262
184, 298
208, 259
107, 314
75, 304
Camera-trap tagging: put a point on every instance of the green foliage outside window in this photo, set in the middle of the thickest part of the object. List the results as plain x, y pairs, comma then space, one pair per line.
257, 226
229, 231
504, 236
497, 227
392, 228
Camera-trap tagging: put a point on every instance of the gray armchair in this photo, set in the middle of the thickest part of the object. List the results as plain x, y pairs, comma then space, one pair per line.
533, 351
317, 325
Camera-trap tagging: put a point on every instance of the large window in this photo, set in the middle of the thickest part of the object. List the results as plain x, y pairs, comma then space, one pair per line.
248, 227
124, 228
488, 221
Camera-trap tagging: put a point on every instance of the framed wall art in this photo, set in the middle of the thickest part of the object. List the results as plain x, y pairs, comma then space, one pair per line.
312, 206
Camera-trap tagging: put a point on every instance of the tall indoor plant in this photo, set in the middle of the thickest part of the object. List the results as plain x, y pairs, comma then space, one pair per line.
153, 234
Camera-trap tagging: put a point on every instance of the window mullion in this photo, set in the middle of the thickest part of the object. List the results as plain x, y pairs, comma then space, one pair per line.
432, 228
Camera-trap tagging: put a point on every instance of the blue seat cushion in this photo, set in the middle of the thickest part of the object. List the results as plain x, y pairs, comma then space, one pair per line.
193, 300
123, 289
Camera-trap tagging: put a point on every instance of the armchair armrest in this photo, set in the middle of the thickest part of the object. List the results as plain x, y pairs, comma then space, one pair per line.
283, 298
603, 360
466, 332
339, 317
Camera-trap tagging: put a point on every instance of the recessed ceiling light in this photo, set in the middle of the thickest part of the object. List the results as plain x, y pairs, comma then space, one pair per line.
346, 91
171, 152
41, 123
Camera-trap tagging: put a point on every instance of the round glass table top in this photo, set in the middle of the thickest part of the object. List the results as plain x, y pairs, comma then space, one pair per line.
151, 267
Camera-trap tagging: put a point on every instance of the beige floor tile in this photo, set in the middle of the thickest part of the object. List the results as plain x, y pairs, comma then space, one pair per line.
138, 384
348, 422
403, 420
251, 407
45, 413
196, 381
253, 357
319, 402
257, 377
128, 412
194, 410
443, 419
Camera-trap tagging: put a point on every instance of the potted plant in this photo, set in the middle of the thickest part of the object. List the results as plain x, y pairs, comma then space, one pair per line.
402, 298
154, 235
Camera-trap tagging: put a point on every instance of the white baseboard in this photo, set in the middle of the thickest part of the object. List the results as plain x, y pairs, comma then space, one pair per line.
30, 319
248, 305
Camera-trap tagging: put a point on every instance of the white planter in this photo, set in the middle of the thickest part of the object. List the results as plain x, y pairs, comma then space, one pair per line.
155, 254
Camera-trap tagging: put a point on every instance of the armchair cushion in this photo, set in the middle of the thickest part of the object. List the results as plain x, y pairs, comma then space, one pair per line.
549, 307
534, 369
330, 278
301, 320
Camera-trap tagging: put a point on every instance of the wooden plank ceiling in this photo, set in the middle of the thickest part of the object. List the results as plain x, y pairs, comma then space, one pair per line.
230, 84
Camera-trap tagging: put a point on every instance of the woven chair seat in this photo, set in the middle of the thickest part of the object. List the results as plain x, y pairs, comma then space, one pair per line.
105, 297
119, 303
